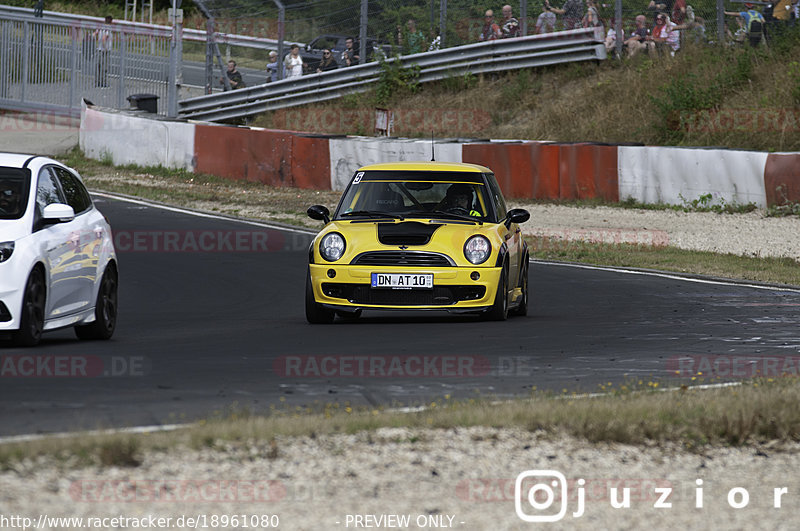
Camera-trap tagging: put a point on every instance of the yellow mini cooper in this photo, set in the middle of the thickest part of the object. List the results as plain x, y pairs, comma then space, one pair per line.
418, 236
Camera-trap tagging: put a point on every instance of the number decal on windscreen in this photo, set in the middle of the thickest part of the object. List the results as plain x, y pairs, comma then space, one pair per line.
357, 178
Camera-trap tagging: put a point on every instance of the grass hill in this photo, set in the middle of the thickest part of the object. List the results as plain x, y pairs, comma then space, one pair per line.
704, 96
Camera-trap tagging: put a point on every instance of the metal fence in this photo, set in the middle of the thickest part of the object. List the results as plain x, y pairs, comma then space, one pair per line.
494, 56
48, 65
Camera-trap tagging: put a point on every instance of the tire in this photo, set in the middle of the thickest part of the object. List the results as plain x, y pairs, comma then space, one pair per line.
522, 309
105, 309
32, 316
499, 310
316, 313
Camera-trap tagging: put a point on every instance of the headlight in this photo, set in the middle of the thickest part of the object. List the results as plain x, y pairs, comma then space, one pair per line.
332, 246
6, 250
477, 249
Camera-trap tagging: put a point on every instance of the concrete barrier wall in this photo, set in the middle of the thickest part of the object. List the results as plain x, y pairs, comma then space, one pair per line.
782, 178
131, 139
541, 170
349, 154
675, 175
537, 170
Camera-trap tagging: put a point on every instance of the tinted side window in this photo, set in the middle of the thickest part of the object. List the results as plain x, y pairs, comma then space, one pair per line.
76, 195
497, 196
47, 191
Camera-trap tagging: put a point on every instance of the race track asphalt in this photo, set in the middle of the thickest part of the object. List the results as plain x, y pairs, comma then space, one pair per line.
201, 332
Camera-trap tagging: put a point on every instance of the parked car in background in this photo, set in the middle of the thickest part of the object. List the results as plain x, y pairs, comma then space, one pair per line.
312, 53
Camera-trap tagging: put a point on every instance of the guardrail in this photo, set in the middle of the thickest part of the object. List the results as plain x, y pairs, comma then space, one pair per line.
188, 33
493, 56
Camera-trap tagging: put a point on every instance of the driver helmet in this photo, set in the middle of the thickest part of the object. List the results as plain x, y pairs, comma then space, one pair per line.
459, 190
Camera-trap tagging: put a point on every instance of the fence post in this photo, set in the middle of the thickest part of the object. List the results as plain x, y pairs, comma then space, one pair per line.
523, 15
174, 62
362, 32
618, 26
209, 55
123, 45
73, 69
720, 22
281, 29
443, 20
26, 57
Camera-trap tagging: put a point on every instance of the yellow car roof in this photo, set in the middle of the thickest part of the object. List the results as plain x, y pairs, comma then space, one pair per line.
421, 165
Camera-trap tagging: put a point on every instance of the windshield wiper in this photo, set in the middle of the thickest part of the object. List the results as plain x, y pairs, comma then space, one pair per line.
442, 213
372, 213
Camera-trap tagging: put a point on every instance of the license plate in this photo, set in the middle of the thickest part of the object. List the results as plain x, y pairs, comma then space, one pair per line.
402, 281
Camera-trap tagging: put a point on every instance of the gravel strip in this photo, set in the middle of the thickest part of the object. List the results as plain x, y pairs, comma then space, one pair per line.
750, 234
467, 474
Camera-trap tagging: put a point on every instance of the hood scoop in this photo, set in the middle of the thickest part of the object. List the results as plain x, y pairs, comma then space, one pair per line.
406, 233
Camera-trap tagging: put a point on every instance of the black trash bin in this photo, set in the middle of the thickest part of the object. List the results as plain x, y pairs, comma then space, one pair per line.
145, 102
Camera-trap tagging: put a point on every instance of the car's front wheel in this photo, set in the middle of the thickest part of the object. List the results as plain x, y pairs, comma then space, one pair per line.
522, 309
105, 310
32, 317
499, 310
316, 313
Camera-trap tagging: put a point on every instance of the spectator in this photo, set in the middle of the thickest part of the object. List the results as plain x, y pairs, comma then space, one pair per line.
414, 39
510, 27
490, 31
611, 39
234, 76
293, 63
436, 40
698, 33
105, 43
658, 7
350, 56
639, 40
665, 36
592, 18
679, 12
328, 62
546, 21
753, 24
572, 11
272, 67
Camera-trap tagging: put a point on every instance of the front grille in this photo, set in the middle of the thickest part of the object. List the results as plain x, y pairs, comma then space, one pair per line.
438, 296
403, 258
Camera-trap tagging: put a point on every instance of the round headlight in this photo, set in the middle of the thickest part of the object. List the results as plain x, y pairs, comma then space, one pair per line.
477, 249
332, 246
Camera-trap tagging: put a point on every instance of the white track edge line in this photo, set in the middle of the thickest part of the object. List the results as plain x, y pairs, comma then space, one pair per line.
203, 214
667, 275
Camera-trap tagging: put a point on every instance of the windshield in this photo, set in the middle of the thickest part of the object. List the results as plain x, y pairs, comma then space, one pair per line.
407, 194
14, 185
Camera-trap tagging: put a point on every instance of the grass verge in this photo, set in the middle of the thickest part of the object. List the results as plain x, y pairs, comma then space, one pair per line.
758, 411
664, 258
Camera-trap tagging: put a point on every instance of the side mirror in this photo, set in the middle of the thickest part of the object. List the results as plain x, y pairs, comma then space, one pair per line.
517, 215
319, 212
58, 213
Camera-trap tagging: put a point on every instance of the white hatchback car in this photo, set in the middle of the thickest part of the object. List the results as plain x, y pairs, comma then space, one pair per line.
58, 267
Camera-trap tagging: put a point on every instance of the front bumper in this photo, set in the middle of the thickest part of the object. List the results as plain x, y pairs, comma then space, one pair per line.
453, 288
